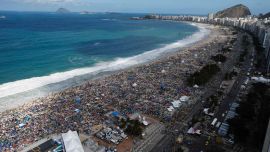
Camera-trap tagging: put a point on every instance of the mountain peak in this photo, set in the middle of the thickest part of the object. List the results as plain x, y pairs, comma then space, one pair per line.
62, 10
236, 11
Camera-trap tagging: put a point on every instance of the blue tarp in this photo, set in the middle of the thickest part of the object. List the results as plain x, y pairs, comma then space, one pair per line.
115, 114
78, 100
26, 118
162, 86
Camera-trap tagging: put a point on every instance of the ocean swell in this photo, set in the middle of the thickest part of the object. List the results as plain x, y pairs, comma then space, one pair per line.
20, 86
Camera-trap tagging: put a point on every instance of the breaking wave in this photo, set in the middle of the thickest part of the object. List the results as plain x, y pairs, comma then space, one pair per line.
20, 86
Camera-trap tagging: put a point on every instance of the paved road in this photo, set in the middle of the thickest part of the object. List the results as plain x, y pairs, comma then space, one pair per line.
167, 144
232, 95
152, 136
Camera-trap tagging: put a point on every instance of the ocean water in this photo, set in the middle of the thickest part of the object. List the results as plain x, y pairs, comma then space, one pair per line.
40, 50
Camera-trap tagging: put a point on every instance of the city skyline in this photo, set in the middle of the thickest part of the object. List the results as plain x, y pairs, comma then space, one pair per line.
139, 6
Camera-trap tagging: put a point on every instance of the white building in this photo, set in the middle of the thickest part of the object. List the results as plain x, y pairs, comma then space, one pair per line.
72, 142
210, 16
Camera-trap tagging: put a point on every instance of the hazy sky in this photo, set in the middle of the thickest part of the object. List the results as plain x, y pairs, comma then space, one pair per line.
143, 6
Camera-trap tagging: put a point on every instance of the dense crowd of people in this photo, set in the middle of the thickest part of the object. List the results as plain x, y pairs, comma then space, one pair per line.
147, 89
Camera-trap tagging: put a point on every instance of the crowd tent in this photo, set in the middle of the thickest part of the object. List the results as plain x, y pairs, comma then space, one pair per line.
77, 110
134, 85
115, 114
72, 142
144, 122
260, 79
170, 108
193, 131
206, 111
78, 100
184, 98
195, 86
176, 103
21, 125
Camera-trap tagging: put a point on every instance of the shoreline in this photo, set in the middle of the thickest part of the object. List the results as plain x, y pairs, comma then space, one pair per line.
148, 89
7, 102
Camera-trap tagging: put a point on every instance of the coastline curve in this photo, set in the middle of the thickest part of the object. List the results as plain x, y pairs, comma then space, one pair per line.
29, 89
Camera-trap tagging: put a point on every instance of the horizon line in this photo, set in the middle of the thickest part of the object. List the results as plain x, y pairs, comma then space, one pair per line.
119, 12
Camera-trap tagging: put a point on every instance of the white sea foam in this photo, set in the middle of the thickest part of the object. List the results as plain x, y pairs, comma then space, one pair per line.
2, 17
109, 19
97, 44
12, 88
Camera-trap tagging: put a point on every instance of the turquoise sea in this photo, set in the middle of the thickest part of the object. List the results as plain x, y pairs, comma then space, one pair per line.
40, 49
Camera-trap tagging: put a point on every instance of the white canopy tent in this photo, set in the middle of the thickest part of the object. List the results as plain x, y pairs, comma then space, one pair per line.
184, 98
134, 85
170, 108
193, 131
195, 86
260, 79
72, 142
176, 103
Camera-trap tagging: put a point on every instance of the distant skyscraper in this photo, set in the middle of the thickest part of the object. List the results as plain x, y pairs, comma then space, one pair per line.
210, 16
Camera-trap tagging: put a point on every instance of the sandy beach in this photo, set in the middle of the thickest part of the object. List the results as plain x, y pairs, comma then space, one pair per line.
23, 91
147, 88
